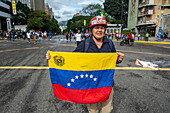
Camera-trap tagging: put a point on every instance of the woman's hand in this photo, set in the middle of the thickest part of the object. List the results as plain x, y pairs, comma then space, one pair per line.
120, 58
48, 55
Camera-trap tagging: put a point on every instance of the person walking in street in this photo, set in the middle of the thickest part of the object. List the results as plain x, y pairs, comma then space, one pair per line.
13, 35
45, 35
147, 36
2, 35
97, 43
78, 38
28, 37
67, 36
70, 36
133, 36
40, 36
139, 36
35, 37
50, 35
23, 35
31, 35
117, 36
7, 35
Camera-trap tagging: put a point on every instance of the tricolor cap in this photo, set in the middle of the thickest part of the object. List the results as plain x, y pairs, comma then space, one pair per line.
98, 20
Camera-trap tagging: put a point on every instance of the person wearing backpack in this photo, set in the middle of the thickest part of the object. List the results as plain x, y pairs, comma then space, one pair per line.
97, 43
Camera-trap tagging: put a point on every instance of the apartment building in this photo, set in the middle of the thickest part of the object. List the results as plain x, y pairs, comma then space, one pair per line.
47, 8
37, 5
5, 12
151, 14
51, 13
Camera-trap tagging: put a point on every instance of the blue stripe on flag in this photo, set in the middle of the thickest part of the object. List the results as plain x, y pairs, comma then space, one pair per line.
82, 79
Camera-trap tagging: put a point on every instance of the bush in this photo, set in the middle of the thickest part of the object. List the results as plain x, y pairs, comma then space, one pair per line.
144, 34
128, 31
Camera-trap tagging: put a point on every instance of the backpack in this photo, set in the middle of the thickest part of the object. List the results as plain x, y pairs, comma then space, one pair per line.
87, 45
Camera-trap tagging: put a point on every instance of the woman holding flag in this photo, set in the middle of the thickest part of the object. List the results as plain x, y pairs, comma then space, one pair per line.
97, 43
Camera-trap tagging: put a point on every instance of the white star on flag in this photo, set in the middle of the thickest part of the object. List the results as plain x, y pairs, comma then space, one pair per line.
77, 77
72, 80
68, 84
95, 79
86, 75
82, 76
91, 76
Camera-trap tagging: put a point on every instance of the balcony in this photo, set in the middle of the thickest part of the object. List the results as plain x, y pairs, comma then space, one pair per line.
146, 13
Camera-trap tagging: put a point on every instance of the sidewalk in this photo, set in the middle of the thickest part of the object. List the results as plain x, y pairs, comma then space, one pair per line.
154, 39
150, 40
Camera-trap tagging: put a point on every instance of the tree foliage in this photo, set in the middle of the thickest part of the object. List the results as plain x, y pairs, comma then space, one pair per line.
39, 20
91, 10
78, 23
22, 14
114, 8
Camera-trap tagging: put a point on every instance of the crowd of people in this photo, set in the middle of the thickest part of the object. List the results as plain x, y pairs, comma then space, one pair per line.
80, 36
37, 36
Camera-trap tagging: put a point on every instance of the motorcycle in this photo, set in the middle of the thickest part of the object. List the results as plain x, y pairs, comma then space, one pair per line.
126, 41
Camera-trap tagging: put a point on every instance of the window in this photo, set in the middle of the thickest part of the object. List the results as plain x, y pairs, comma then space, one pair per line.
150, 1
159, 7
111, 30
143, 9
107, 30
143, 1
114, 30
147, 18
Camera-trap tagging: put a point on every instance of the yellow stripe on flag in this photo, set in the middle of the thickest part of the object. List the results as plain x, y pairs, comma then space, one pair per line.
82, 61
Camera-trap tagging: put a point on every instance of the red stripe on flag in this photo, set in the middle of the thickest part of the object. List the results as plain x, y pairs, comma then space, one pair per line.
82, 96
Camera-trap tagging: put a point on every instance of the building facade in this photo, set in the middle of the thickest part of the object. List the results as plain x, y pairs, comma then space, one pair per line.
5, 12
113, 28
47, 8
151, 14
37, 5
133, 14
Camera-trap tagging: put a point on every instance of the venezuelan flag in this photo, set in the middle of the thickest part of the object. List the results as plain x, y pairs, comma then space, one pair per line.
83, 78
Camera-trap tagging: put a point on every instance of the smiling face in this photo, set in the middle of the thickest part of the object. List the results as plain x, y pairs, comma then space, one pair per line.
98, 32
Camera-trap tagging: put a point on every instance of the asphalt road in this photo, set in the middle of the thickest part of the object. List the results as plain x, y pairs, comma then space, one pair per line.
30, 91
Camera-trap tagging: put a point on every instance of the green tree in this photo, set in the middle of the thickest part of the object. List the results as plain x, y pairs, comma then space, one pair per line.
114, 8
22, 14
91, 10
38, 20
54, 27
78, 23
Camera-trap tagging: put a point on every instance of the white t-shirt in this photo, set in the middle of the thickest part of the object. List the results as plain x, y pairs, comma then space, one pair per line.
78, 37
147, 35
28, 35
133, 36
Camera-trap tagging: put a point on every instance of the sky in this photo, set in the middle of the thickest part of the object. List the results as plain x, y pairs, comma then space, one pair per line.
65, 9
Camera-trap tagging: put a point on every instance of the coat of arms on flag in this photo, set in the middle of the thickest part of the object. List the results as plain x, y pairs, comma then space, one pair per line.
82, 78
